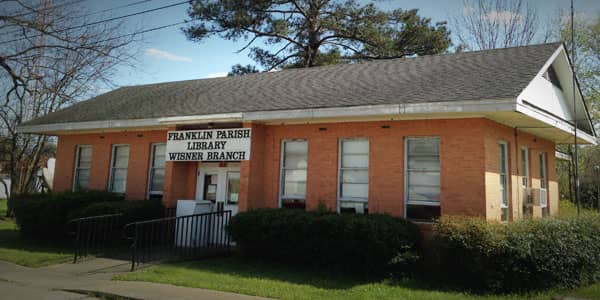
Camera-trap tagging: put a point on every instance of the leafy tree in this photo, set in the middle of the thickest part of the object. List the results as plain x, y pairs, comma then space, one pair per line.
238, 70
587, 66
307, 33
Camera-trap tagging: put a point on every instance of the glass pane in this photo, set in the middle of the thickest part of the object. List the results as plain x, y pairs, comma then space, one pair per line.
159, 156
502, 158
296, 147
355, 176
424, 178
83, 177
354, 207
295, 161
423, 194
422, 212
524, 164
158, 177
294, 189
355, 161
119, 180
355, 190
85, 157
121, 158
233, 187
295, 175
423, 146
355, 146
210, 187
424, 162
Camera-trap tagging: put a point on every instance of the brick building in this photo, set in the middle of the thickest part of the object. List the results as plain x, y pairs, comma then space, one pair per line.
469, 134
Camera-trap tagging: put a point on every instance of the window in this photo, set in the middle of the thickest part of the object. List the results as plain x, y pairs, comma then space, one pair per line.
504, 189
525, 167
83, 162
157, 171
543, 185
118, 168
293, 173
422, 178
233, 187
353, 190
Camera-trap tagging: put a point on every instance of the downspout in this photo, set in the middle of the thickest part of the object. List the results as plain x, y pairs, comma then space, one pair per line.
518, 187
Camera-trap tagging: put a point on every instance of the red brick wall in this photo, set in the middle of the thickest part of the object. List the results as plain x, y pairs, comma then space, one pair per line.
468, 155
139, 157
462, 161
493, 135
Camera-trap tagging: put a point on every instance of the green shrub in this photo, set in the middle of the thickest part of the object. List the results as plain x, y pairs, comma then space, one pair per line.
362, 243
521, 256
43, 216
132, 210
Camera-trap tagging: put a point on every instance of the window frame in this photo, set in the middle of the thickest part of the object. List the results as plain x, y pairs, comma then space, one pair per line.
504, 190
227, 194
406, 173
341, 199
76, 166
112, 168
282, 170
151, 167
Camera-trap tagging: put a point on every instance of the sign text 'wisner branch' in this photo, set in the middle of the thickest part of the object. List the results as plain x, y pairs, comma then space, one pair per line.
209, 145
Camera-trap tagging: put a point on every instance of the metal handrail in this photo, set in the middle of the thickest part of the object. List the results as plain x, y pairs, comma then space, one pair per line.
92, 233
177, 237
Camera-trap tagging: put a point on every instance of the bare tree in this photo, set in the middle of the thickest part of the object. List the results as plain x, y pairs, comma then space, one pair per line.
50, 57
490, 24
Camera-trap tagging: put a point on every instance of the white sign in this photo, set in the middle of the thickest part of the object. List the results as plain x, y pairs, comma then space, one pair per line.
231, 144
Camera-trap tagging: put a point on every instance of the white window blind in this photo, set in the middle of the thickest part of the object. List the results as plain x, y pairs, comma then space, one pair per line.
83, 164
118, 170
293, 169
354, 175
157, 169
422, 175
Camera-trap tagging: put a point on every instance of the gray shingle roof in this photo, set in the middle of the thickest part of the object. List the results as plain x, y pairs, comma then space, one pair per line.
490, 74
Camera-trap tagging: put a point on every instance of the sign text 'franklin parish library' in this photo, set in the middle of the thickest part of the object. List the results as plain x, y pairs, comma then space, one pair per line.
209, 145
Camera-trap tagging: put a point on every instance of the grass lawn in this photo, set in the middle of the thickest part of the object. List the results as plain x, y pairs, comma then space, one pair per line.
27, 253
276, 281
568, 209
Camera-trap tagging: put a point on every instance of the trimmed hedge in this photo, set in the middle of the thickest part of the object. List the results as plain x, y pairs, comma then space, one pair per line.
43, 216
521, 256
360, 243
132, 210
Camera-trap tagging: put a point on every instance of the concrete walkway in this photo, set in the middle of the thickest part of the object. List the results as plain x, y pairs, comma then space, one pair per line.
73, 281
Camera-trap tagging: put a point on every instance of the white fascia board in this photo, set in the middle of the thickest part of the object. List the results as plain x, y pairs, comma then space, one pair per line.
554, 122
562, 156
294, 114
89, 125
385, 109
201, 118
491, 105
330, 112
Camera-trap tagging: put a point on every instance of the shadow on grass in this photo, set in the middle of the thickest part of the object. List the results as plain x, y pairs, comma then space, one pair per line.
300, 275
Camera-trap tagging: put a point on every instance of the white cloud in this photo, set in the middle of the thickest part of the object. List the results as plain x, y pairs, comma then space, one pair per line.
503, 16
215, 75
165, 55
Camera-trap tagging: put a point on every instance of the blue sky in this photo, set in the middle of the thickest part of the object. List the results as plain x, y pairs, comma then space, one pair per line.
166, 55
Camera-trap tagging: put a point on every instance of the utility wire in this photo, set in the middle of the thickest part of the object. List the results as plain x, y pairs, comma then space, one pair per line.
89, 14
141, 32
101, 21
38, 7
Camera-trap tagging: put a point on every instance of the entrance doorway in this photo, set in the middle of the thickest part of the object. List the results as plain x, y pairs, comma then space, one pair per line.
219, 185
